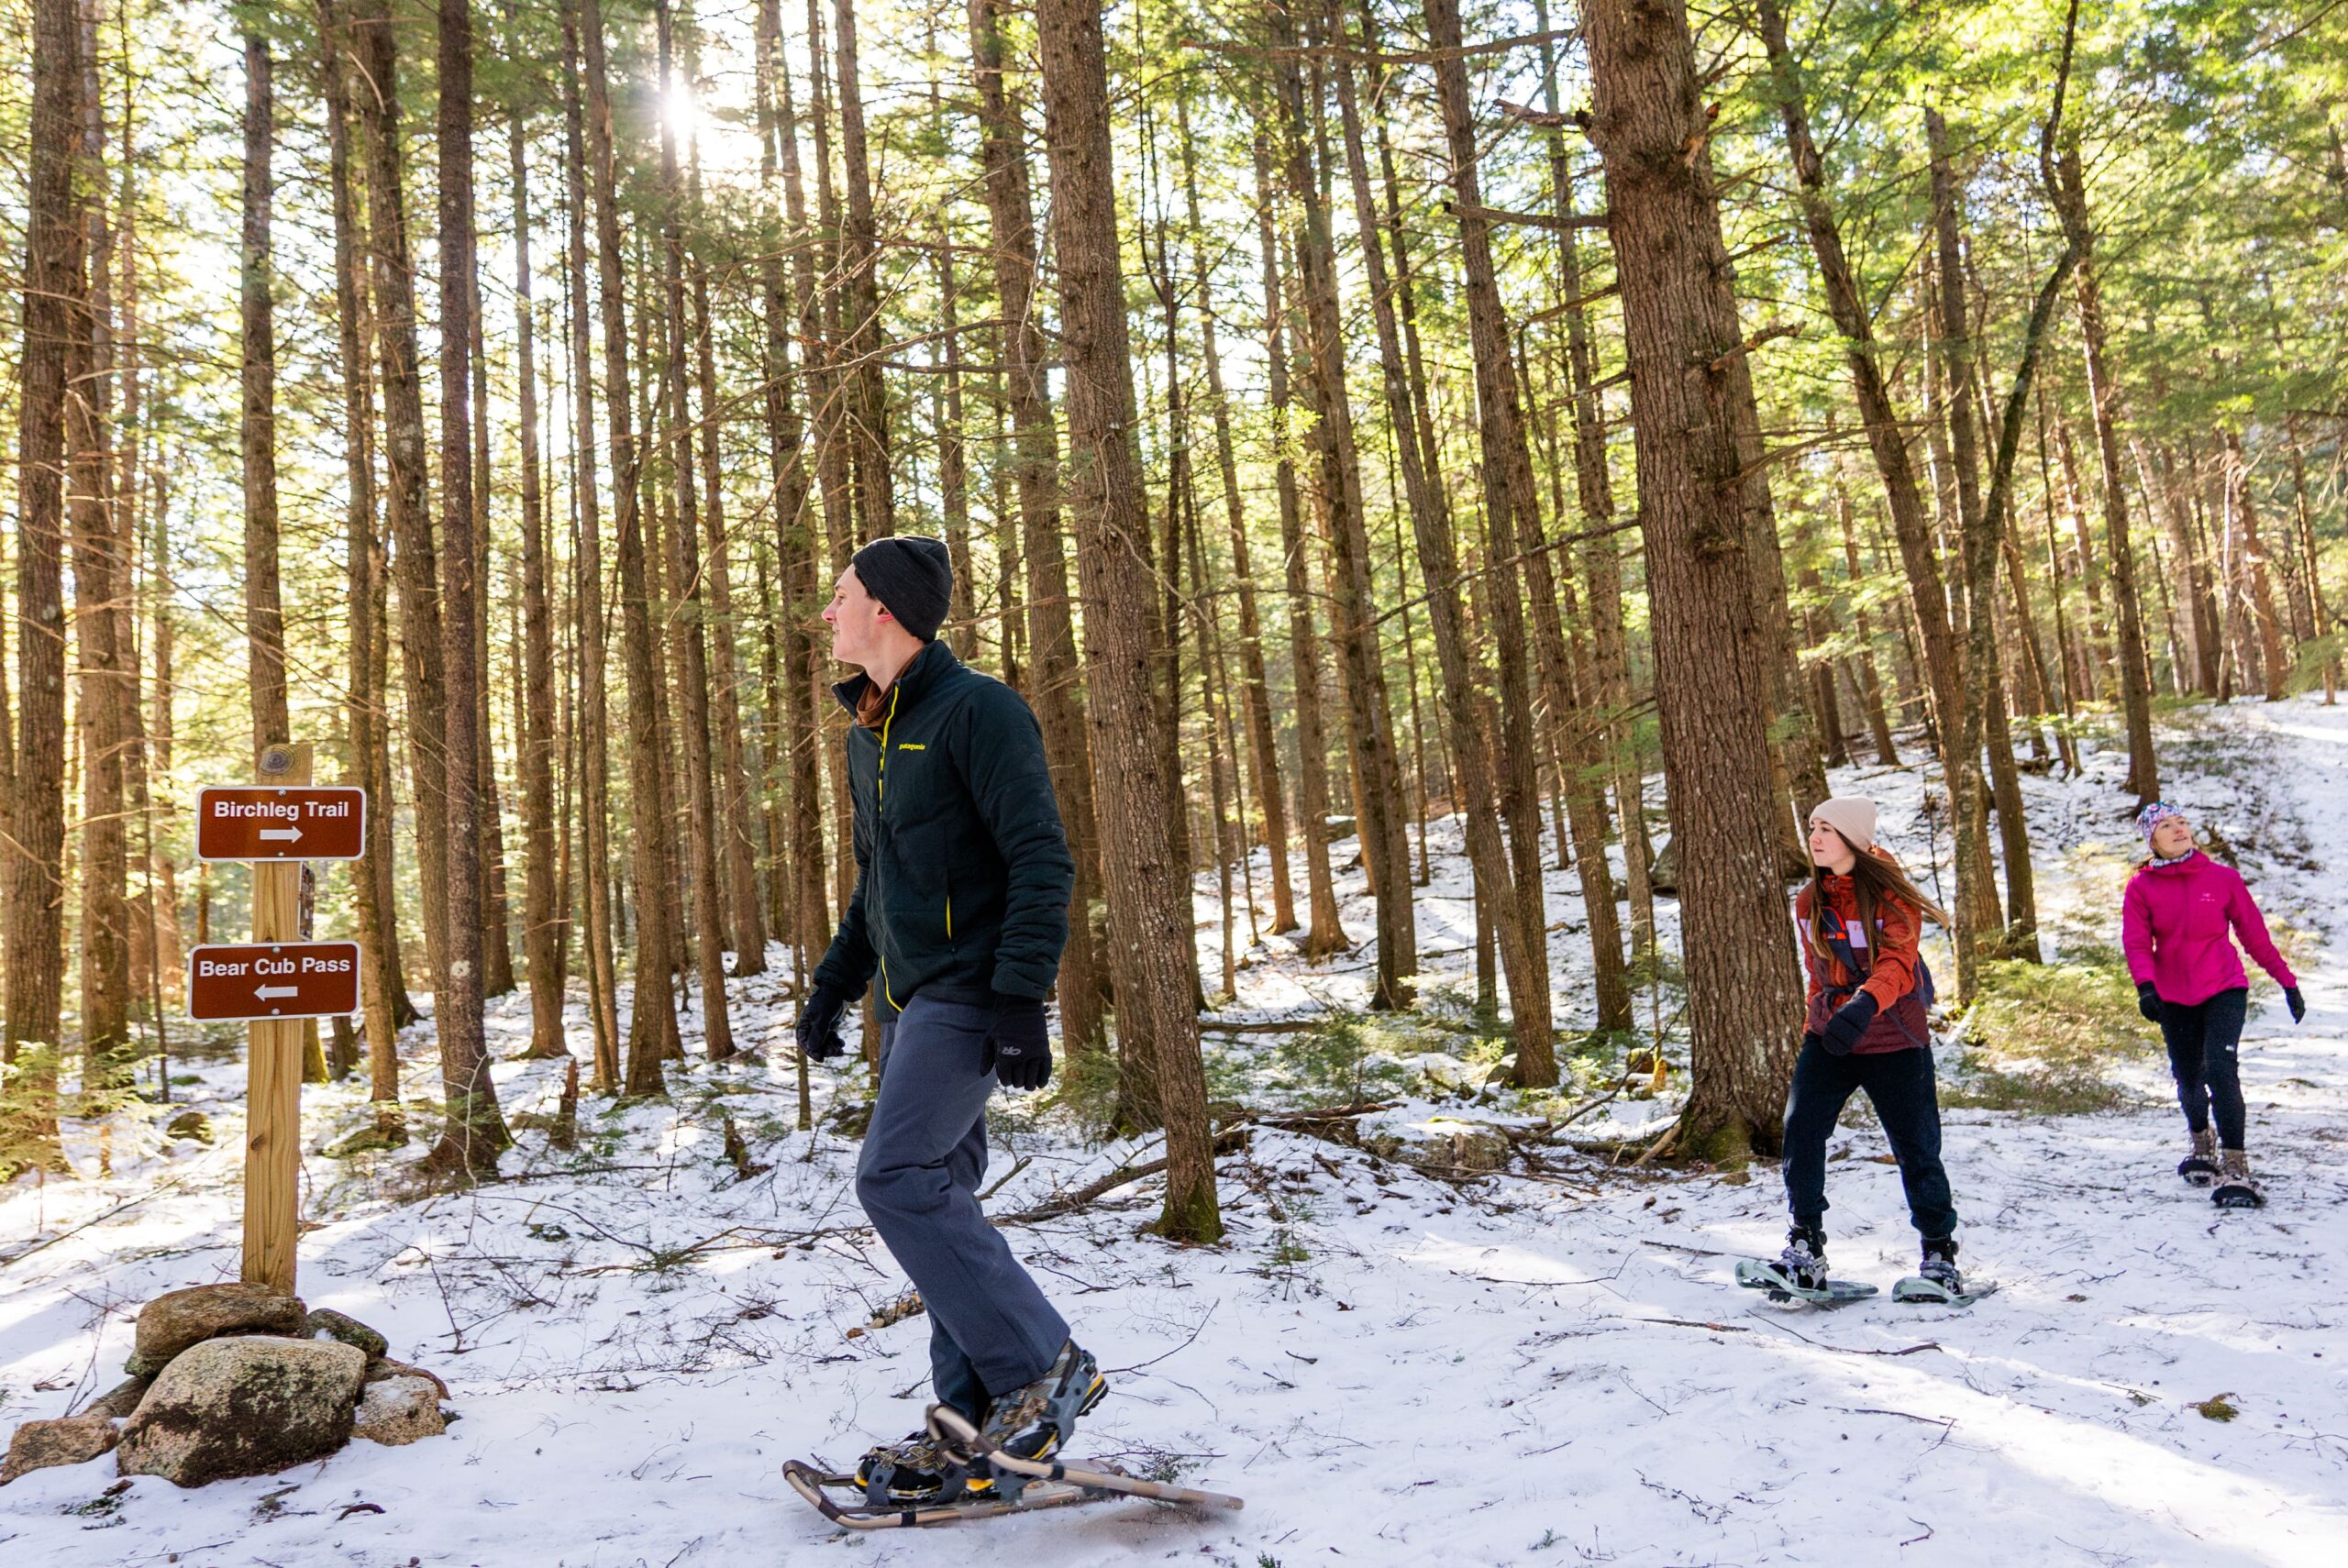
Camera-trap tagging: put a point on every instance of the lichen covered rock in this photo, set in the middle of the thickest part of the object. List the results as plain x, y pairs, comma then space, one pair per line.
178, 1319
41, 1445
327, 1323
399, 1410
244, 1405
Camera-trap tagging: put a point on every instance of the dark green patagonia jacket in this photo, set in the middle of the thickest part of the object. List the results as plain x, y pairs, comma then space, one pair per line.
963, 872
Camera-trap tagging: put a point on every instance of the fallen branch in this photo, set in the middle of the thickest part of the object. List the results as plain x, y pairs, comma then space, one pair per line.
1694, 1323
1307, 1118
1851, 1350
1052, 1209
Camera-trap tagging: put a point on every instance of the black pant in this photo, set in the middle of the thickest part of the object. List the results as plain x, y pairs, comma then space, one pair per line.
1900, 1086
2202, 1040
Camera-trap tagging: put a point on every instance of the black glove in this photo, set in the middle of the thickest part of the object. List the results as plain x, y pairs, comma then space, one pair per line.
1020, 1049
2298, 1003
1849, 1023
2148, 1003
819, 1024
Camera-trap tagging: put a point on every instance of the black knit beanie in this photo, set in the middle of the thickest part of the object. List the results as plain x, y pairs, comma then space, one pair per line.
912, 577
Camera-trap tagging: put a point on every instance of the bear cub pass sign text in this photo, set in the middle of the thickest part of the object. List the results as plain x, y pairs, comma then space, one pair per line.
247, 983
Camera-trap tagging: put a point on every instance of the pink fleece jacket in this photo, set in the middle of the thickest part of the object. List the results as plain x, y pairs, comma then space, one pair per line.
2173, 924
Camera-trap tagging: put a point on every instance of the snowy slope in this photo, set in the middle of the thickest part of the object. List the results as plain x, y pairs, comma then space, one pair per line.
1390, 1369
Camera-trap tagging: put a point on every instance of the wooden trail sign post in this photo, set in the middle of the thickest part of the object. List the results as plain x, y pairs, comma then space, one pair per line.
278, 980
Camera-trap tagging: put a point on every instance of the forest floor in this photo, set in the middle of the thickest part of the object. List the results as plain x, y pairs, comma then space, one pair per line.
1544, 1365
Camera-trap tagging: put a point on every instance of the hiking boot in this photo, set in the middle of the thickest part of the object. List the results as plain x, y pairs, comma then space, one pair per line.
1036, 1421
2235, 1189
915, 1472
2199, 1168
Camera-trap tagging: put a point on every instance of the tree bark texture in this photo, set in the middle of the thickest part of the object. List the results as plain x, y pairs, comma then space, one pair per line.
1745, 997
1148, 893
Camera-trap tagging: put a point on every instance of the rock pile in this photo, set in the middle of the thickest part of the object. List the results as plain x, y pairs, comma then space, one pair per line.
238, 1380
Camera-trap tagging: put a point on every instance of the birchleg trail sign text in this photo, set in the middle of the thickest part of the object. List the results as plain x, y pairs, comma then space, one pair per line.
264, 821
254, 982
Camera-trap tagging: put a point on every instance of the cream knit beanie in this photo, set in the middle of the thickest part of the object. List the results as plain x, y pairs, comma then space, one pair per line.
1853, 816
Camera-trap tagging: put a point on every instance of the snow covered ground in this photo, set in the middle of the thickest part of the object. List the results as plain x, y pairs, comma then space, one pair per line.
1390, 1369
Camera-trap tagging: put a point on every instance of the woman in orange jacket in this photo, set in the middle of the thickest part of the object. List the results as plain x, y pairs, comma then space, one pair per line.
1859, 918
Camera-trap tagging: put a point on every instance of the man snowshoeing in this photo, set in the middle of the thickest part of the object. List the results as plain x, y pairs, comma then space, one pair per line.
959, 914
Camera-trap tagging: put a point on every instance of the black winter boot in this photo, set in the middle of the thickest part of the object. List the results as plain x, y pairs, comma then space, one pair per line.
1940, 1264
1803, 1263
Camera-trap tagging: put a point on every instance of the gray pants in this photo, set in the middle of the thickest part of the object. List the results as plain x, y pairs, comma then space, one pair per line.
991, 1331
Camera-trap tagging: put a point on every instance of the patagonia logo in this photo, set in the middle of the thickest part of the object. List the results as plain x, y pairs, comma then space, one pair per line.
910, 745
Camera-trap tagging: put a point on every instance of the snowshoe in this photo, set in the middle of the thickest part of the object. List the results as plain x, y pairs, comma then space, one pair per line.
1755, 1274
2236, 1189
846, 1501
1937, 1281
1039, 1476
2199, 1168
915, 1471
1036, 1422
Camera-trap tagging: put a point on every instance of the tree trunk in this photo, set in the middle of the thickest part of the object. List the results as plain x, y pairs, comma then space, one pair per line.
1378, 798
1148, 893
689, 627
55, 317
652, 1025
1712, 676
1982, 531
1325, 934
264, 617
2065, 187
797, 546
378, 915
1978, 917
866, 396
1255, 692
2274, 664
1524, 947
595, 793
542, 921
407, 506
496, 945
1886, 751
1594, 492
106, 672
738, 855
2191, 569
473, 1130
1051, 637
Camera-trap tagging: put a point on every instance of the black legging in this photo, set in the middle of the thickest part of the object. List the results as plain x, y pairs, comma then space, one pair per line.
2202, 1040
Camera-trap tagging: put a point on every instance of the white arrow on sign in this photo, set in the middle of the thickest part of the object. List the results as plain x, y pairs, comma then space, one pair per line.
271, 993
283, 835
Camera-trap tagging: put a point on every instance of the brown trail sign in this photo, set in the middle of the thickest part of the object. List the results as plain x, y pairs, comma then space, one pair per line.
253, 983
291, 822
279, 979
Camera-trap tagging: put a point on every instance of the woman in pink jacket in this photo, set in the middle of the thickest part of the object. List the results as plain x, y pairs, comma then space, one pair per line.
2178, 922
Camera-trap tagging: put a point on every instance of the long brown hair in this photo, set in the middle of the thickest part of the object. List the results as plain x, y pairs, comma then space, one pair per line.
1875, 877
